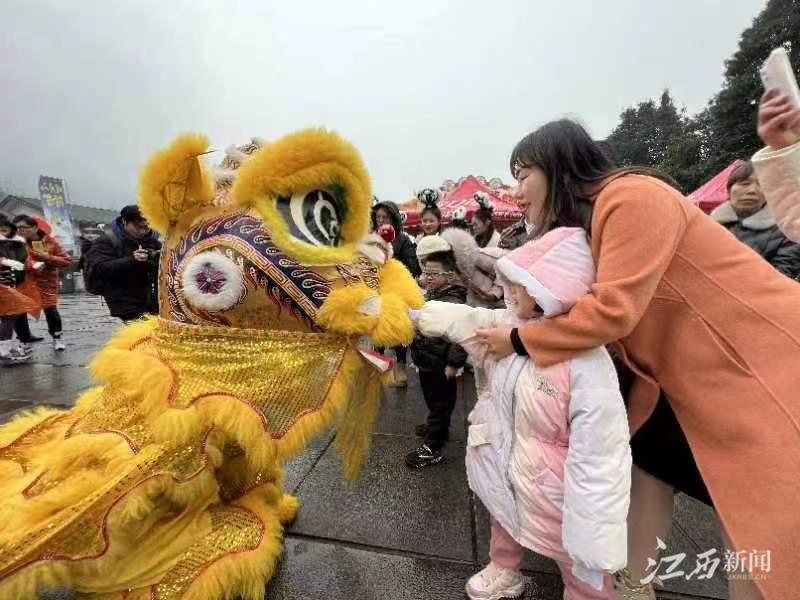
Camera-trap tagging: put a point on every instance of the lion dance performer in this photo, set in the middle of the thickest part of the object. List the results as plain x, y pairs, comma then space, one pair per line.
165, 480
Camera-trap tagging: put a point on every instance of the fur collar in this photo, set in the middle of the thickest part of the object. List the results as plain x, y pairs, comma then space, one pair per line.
762, 220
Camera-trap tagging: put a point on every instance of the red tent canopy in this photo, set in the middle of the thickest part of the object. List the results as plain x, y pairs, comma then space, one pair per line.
461, 194
715, 191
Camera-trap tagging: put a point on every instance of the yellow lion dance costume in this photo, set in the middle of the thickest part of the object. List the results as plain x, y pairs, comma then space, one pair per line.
165, 481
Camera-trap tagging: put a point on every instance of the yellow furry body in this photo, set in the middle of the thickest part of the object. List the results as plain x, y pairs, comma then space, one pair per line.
165, 481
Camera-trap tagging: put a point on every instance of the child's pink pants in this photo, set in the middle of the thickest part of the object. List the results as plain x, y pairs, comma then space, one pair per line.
507, 553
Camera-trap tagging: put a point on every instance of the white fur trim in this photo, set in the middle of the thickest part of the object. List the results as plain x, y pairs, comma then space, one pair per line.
224, 175
371, 306
761, 220
375, 248
544, 298
231, 283
234, 153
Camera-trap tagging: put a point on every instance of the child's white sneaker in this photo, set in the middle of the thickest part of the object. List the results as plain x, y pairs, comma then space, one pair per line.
495, 582
625, 588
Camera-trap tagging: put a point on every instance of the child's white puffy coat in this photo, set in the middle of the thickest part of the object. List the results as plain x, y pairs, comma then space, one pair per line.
548, 449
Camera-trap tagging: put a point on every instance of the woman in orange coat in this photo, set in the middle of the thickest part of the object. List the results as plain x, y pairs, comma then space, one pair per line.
49, 257
712, 335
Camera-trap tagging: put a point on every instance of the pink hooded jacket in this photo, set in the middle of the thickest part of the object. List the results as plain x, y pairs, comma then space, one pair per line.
548, 449
778, 174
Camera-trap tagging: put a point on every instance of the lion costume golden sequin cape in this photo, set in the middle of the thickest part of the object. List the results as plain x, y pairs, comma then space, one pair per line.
165, 481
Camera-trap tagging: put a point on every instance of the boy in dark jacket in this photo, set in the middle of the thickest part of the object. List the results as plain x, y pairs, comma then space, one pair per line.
438, 361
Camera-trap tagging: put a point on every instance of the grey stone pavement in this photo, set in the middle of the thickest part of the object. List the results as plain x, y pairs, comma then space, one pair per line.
398, 534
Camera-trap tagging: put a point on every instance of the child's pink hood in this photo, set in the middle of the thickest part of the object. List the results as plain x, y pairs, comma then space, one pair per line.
556, 269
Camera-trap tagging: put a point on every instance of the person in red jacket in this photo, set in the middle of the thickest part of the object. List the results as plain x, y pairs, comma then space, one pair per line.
49, 257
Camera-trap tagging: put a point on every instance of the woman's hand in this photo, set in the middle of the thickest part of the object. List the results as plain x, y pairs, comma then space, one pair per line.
778, 121
497, 339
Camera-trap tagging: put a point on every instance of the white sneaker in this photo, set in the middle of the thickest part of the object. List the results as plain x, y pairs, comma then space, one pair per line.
58, 345
494, 583
13, 352
625, 588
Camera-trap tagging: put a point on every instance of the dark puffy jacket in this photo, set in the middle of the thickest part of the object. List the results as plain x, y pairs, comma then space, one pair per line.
403, 246
129, 286
14, 248
515, 235
760, 232
433, 353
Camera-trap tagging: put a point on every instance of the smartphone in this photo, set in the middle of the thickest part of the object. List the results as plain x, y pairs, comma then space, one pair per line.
38, 245
777, 74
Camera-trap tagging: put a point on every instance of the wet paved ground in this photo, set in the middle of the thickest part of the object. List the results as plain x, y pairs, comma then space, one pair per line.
398, 534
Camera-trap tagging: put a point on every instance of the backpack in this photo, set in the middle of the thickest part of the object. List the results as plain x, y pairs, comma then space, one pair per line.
92, 282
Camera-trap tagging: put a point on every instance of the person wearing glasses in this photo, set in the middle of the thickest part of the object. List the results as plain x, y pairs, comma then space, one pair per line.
438, 360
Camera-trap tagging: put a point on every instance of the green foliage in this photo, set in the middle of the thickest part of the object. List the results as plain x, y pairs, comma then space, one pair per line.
663, 137
693, 149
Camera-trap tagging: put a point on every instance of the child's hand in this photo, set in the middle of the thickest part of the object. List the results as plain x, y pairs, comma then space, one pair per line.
450, 372
497, 340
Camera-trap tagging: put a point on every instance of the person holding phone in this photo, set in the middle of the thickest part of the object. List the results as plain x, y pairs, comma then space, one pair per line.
778, 165
122, 265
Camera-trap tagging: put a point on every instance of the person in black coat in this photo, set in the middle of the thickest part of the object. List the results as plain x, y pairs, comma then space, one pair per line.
404, 250
438, 362
748, 217
123, 266
387, 213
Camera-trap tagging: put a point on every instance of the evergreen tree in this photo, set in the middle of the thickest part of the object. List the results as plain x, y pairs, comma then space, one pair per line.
663, 137
732, 113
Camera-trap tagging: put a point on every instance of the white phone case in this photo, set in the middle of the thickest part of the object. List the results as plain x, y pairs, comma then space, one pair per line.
777, 74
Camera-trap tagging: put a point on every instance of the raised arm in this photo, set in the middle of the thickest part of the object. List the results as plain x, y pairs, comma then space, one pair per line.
778, 174
457, 323
778, 165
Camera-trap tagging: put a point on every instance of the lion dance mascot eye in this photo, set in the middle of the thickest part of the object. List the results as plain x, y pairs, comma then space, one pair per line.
165, 480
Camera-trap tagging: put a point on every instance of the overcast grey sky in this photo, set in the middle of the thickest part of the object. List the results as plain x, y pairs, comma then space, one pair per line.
427, 89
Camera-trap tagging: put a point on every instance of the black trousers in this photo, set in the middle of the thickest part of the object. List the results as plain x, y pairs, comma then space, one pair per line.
54, 326
7, 327
440, 398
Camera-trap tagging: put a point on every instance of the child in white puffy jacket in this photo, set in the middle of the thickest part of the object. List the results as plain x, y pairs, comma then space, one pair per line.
548, 449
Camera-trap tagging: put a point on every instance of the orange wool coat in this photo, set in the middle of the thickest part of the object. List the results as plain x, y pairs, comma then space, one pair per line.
703, 317
46, 279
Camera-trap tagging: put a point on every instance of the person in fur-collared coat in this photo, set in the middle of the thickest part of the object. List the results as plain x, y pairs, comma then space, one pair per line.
747, 217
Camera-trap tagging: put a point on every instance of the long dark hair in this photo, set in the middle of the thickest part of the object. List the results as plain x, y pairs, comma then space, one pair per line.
577, 168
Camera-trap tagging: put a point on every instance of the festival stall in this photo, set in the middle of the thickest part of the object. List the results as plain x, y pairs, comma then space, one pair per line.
461, 194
